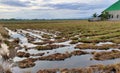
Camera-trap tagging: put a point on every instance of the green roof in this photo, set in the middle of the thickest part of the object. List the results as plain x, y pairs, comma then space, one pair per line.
115, 6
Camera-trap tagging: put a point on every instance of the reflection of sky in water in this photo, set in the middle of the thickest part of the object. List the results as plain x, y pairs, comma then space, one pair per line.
22, 38
73, 62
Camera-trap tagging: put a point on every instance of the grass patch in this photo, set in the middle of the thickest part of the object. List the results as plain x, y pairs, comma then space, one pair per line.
107, 55
88, 31
94, 46
46, 36
74, 41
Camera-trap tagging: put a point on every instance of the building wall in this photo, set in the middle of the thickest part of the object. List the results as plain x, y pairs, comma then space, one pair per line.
115, 15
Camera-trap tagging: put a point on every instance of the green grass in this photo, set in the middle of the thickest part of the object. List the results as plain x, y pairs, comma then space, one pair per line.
87, 31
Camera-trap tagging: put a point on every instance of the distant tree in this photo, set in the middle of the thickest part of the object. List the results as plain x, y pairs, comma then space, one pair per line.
12, 19
95, 15
105, 16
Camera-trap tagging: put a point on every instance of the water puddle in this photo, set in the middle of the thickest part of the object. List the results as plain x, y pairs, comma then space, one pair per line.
73, 62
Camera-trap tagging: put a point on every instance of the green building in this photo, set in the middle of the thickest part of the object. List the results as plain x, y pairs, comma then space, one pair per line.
114, 11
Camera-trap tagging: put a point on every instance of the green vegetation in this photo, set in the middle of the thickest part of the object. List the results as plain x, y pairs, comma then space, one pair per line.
107, 55
89, 32
58, 37
48, 47
95, 15
46, 36
74, 38
94, 46
74, 41
105, 16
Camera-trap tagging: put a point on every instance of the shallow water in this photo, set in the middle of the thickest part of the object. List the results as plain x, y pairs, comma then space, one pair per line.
73, 62
102, 43
58, 50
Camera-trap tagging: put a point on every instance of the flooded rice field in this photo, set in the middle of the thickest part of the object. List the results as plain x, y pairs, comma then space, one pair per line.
38, 50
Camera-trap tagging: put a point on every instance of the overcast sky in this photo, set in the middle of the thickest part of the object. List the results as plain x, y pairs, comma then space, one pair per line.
52, 9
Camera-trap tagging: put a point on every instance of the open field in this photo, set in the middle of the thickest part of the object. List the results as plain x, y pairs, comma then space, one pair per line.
88, 31
62, 46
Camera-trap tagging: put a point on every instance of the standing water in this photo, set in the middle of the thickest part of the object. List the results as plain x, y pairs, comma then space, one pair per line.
73, 62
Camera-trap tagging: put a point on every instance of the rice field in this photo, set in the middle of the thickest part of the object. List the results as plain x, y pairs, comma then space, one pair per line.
89, 32
62, 46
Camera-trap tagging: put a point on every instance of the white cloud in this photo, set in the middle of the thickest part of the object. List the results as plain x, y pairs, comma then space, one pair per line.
43, 8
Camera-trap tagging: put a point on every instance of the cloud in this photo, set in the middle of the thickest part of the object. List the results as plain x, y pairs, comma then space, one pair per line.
75, 6
50, 9
16, 3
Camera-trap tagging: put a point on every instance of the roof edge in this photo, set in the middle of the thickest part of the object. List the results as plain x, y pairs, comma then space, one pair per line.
108, 9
